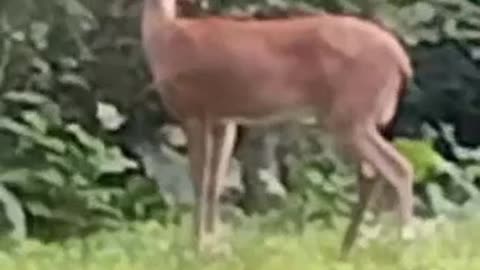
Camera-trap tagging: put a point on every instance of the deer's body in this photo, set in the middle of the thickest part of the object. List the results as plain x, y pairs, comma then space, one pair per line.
215, 73
242, 64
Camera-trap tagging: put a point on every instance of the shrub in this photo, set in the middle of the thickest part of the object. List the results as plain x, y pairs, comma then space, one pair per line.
57, 180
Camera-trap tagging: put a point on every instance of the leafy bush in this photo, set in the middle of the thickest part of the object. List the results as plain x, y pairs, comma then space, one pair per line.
56, 175
323, 189
454, 189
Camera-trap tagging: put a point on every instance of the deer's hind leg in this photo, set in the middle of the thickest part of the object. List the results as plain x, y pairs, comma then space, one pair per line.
392, 167
367, 145
369, 187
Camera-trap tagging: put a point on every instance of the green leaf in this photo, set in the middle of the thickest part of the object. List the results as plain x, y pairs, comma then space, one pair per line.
27, 97
106, 208
68, 62
39, 32
439, 202
74, 80
105, 160
35, 120
315, 177
76, 8
424, 158
38, 209
79, 180
51, 176
462, 178
60, 161
52, 113
101, 194
33, 135
422, 12
42, 65
84, 138
114, 162
14, 175
14, 213
68, 216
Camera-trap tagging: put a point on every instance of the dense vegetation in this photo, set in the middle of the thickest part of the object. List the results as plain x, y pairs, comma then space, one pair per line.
74, 113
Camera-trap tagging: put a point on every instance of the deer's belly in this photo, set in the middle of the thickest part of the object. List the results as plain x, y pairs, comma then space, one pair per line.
270, 118
245, 106
255, 107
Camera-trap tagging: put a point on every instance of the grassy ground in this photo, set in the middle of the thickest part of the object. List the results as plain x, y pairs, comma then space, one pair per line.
150, 246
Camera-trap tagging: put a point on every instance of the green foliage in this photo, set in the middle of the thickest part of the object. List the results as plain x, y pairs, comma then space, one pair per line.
77, 52
44, 52
323, 189
455, 192
425, 159
433, 21
148, 246
56, 175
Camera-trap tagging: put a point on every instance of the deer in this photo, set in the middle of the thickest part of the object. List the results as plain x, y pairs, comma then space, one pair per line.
215, 74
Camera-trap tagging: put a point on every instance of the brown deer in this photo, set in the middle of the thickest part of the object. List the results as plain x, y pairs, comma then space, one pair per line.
215, 73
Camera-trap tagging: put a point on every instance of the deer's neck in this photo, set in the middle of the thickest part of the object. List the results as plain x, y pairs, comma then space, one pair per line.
160, 9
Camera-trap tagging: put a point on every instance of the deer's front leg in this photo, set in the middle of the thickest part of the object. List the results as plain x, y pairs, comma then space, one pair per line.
224, 136
200, 146
210, 149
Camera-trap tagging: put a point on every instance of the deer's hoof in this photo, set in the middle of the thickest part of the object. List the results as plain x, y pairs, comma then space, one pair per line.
215, 243
408, 233
213, 247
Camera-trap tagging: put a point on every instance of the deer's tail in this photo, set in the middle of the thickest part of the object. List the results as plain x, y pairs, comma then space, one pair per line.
387, 129
405, 74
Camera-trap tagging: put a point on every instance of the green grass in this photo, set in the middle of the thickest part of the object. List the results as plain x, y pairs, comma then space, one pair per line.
150, 246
